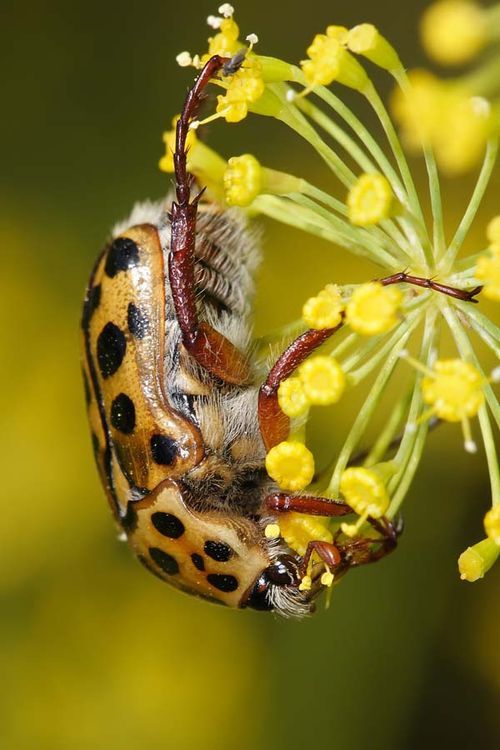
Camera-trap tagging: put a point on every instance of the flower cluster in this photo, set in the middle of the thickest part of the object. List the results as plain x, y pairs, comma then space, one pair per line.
456, 117
393, 323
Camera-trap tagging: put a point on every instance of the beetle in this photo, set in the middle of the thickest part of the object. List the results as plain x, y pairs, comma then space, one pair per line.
181, 420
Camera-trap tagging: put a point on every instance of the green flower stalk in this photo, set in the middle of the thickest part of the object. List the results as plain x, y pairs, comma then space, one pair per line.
394, 323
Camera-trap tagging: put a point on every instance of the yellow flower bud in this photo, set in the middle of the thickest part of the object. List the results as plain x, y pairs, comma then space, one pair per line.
340, 33
330, 61
323, 380
453, 31
298, 530
325, 309
455, 390
292, 398
373, 309
492, 524
291, 465
477, 560
370, 200
364, 490
366, 40
225, 43
493, 230
488, 273
242, 180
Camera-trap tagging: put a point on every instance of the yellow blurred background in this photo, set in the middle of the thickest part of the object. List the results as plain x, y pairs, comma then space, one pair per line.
95, 652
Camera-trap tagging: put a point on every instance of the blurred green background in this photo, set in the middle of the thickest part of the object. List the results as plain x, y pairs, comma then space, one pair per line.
96, 653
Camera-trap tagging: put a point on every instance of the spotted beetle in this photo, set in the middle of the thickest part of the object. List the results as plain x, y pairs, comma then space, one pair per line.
180, 425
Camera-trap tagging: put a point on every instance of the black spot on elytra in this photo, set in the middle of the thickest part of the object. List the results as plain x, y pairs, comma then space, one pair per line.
163, 449
198, 561
123, 414
138, 322
123, 253
111, 346
223, 582
91, 303
218, 551
168, 525
164, 561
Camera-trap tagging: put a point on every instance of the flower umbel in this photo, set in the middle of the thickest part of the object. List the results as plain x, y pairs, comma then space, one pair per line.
375, 212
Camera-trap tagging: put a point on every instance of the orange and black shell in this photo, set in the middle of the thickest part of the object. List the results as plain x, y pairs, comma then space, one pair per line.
184, 483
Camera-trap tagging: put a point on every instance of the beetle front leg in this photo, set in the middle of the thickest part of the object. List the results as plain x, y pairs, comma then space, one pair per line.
274, 425
210, 348
309, 504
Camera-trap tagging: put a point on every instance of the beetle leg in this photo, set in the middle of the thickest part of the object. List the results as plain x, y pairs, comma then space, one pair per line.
355, 552
210, 348
312, 506
451, 291
329, 553
274, 425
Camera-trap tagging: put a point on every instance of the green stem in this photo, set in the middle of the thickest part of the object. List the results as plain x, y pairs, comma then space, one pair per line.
381, 112
355, 234
291, 117
413, 442
365, 414
484, 327
399, 241
356, 376
491, 453
382, 443
303, 218
470, 214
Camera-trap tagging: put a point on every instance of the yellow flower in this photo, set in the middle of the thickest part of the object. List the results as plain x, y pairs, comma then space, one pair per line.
340, 33
492, 524
325, 309
292, 398
488, 272
243, 88
243, 180
323, 380
298, 530
364, 490
453, 31
373, 308
225, 43
370, 200
291, 465
493, 230
477, 560
445, 116
454, 389
330, 61
366, 40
